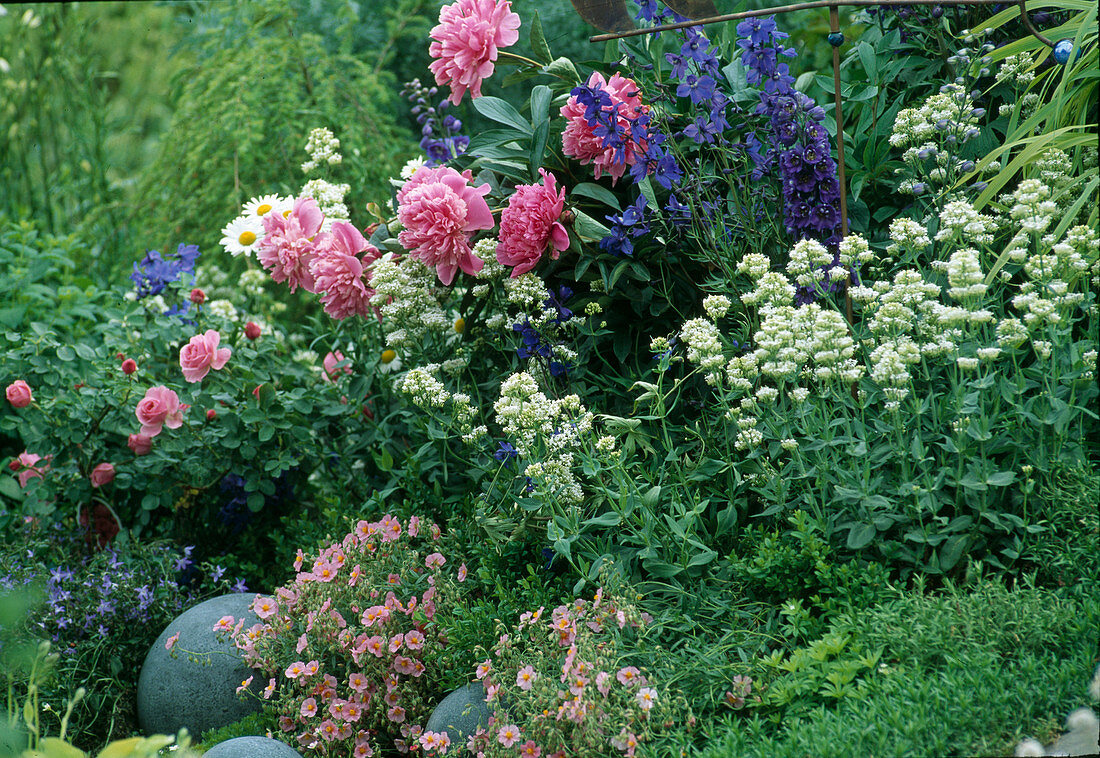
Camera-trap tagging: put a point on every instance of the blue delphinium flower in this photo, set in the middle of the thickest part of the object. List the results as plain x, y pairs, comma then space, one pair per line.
505, 452
154, 272
625, 226
440, 138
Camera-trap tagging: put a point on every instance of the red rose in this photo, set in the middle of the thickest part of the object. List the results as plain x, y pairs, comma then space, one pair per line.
129, 366
198, 297
252, 330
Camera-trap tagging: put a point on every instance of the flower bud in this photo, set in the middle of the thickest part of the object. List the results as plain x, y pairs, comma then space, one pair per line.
252, 330
198, 297
129, 366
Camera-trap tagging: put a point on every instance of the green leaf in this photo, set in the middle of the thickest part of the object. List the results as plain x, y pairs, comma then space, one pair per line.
540, 109
538, 41
861, 535
562, 68
1001, 478
596, 192
493, 138
502, 112
65, 353
587, 227
660, 568
611, 518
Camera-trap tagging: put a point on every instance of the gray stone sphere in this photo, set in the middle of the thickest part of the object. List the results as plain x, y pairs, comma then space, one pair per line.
176, 692
461, 713
252, 747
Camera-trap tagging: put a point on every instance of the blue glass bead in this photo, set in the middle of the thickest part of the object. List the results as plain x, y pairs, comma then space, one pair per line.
1062, 50
836, 39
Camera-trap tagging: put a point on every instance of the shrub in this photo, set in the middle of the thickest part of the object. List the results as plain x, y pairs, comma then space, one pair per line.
352, 647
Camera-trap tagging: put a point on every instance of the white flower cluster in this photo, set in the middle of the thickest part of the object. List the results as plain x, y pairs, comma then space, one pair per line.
754, 265
704, 346
772, 289
959, 221
716, 306
805, 261
907, 236
854, 251
810, 341
1017, 68
528, 294
937, 115
1055, 168
323, 147
404, 292
530, 420
252, 281
424, 389
964, 276
223, 308
330, 199
1033, 209
890, 363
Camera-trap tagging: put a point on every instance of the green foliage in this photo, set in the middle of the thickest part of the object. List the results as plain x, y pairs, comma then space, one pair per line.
252, 725
240, 122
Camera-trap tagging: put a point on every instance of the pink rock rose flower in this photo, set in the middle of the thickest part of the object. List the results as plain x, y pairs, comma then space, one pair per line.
289, 244
580, 141
329, 363
340, 274
530, 224
201, 354
102, 474
19, 394
159, 408
141, 444
465, 43
440, 210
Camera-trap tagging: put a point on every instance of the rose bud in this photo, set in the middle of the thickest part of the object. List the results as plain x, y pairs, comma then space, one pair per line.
252, 330
211, 414
198, 297
129, 366
19, 394
102, 474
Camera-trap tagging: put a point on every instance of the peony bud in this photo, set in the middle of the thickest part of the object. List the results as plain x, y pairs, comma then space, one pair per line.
129, 366
252, 330
198, 297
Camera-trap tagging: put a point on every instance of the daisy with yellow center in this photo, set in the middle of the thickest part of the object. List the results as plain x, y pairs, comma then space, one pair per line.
389, 362
242, 235
258, 207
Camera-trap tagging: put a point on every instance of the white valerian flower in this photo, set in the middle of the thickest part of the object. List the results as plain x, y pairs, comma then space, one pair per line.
959, 221
423, 388
805, 261
405, 295
322, 147
789, 444
854, 251
704, 346
772, 289
330, 199
1033, 209
252, 281
716, 306
754, 265
964, 275
1042, 348
223, 308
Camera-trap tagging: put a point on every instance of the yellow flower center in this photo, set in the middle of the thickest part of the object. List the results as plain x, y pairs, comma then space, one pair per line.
286, 213
263, 209
247, 238
460, 325
389, 356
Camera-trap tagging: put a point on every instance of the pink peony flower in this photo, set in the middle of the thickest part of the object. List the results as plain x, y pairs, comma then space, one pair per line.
102, 474
19, 394
530, 224
465, 43
25, 468
289, 244
159, 408
580, 141
439, 210
201, 354
338, 271
141, 444
329, 364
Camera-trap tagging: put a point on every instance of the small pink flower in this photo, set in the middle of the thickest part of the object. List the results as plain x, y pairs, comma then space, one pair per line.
201, 354
269, 690
286, 723
295, 670
357, 682
414, 640
465, 43
508, 735
439, 210
171, 641
129, 366
303, 643
435, 560
244, 685
627, 676
396, 642
329, 730
141, 444
225, 624
396, 714
462, 573
309, 708
102, 474
376, 646
414, 526
531, 224
530, 750
484, 668
289, 244
352, 712
340, 274
330, 366
198, 297
579, 139
602, 683
265, 607
526, 677
19, 394
646, 697
311, 668
252, 330
159, 408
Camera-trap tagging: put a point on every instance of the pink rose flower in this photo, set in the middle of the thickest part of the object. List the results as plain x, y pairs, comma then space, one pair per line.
530, 224
159, 408
329, 363
289, 244
580, 141
439, 210
102, 474
201, 354
19, 394
340, 274
25, 468
465, 43
141, 444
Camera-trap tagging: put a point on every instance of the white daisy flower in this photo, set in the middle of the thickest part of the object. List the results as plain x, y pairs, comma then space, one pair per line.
242, 235
389, 362
265, 204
